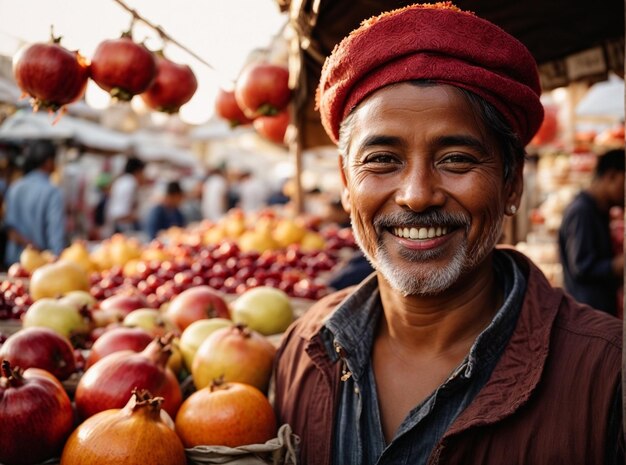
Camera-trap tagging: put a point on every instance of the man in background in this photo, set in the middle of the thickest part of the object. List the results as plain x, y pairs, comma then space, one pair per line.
166, 213
215, 195
35, 212
591, 272
123, 203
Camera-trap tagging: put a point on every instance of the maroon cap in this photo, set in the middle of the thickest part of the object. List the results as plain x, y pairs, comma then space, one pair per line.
437, 42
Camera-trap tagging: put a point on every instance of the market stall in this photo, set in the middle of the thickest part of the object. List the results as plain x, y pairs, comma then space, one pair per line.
177, 301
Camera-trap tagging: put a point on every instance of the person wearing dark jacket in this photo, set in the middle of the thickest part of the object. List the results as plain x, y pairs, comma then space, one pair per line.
454, 351
592, 274
166, 213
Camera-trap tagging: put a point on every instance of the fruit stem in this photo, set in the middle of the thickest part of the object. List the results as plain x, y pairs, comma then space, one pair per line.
11, 377
141, 402
267, 109
160, 349
53, 39
217, 383
243, 329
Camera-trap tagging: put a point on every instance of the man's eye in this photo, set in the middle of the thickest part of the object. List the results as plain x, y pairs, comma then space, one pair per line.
380, 158
458, 158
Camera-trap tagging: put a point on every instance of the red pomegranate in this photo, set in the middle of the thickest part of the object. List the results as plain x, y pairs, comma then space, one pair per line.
273, 128
263, 89
174, 86
52, 75
226, 107
122, 67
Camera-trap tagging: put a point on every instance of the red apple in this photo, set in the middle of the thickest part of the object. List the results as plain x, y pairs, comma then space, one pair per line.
40, 347
195, 304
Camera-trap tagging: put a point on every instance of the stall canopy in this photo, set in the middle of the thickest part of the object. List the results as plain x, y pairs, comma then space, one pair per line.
95, 138
571, 41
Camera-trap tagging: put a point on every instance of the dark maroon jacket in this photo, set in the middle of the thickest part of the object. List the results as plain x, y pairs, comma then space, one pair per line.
548, 400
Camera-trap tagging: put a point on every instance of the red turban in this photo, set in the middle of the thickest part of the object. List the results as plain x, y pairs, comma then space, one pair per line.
436, 42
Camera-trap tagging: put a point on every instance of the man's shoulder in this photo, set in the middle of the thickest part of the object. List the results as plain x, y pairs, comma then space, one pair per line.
581, 203
583, 323
27, 185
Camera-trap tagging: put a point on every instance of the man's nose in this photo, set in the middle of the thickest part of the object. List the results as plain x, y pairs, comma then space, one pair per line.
420, 189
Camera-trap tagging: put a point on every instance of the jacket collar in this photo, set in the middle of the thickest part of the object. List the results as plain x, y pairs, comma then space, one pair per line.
520, 367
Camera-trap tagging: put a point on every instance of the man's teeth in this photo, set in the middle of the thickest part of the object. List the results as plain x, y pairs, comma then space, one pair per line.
420, 233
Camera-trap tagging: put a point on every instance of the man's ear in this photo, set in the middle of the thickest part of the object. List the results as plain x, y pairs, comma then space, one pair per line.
516, 189
345, 193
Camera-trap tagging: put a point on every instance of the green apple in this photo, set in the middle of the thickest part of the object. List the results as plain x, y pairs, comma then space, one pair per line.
264, 309
196, 333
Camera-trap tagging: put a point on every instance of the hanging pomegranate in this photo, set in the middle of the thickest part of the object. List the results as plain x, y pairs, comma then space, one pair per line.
226, 107
36, 415
109, 382
138, 434
52, 75
273, 128
174, 86
122, 67
263, 89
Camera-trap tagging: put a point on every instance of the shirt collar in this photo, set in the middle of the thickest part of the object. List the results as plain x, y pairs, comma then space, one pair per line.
351, 328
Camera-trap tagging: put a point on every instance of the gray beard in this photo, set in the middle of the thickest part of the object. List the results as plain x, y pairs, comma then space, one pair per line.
408, 280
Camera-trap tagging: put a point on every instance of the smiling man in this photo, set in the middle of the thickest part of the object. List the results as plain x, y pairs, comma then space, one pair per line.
454, 351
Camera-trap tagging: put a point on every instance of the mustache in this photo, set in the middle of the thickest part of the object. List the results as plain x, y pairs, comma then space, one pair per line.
426, 218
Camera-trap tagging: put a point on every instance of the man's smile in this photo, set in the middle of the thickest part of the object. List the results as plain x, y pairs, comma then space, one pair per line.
420, 232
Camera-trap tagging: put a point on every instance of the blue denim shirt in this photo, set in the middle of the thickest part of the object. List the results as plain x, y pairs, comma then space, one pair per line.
35, 208
349, 335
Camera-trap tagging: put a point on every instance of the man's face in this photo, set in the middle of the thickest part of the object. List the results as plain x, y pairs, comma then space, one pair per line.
425, 187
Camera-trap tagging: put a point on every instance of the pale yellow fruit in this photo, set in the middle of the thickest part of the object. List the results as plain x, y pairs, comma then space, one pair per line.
312, 241
288, 232
196, 333
264, 309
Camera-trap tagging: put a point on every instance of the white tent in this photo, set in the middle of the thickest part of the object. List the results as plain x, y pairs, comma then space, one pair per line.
603, 99
149, 146
25, 124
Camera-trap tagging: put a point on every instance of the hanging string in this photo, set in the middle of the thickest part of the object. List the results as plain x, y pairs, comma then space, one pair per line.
164, 35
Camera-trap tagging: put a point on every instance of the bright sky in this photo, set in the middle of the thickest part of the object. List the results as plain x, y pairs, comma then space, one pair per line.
221, 32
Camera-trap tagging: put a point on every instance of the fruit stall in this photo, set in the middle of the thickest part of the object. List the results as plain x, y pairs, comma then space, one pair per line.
180, 331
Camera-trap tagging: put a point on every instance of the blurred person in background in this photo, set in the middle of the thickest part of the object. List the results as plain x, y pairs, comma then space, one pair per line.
102, 184
279, 195
592, 273
123, 204
35, 208
215, 194
166, 213
8, 156
192, 203
253, 192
